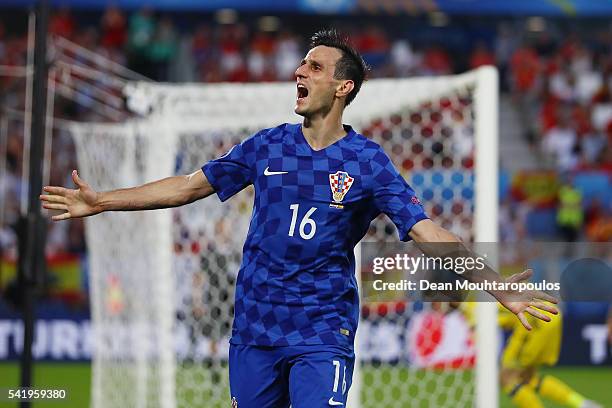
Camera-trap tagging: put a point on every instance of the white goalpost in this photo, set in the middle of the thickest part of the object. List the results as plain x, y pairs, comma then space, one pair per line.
486, 229
162, 282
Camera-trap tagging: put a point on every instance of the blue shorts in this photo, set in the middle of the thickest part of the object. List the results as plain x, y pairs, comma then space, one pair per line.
300, 376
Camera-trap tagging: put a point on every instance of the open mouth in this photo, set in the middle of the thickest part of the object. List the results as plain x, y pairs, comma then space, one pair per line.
302, 92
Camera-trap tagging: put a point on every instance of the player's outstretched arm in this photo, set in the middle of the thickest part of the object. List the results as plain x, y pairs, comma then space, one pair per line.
85, 201
519, 303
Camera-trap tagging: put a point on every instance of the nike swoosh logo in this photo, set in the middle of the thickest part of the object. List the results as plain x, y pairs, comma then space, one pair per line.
267, 172
334, 403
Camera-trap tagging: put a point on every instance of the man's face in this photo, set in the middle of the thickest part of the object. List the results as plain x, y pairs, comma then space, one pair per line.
316, 85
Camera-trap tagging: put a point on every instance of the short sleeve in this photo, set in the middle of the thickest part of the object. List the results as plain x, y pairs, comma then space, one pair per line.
231, 173
394, 197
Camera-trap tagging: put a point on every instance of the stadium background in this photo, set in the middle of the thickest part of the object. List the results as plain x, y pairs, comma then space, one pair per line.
555, 63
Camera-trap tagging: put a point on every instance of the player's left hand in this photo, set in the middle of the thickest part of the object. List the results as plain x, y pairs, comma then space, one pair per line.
527, 301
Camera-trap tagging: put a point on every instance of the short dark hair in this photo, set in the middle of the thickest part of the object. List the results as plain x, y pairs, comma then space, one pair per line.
350, 66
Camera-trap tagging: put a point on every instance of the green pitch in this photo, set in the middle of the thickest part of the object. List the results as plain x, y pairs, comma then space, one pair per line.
75, 378
592, 382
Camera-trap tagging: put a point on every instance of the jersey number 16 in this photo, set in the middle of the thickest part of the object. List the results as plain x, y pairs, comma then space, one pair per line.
305, 221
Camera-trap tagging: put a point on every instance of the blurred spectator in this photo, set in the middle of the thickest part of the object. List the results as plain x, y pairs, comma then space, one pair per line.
549, 110
57, 238
526, 67
260, 61
593, 144
588, 79
545, 44
604, 162
88, 38
598, 222
404, 59
202, 49
512, 221
11, 186
481, 55
141, 33
162, 49
570, 215
114, 31
436, 61
563, 85
62, 23
581, 119
373, 45
560, 142
569, 47
505, 44
288, 55
602, 102
232, 63
76, 232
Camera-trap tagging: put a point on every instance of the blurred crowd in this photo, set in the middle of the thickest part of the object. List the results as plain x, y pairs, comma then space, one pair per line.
563, 92
559, 81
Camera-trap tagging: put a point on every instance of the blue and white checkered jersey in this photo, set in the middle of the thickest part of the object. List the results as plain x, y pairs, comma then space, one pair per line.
296, 284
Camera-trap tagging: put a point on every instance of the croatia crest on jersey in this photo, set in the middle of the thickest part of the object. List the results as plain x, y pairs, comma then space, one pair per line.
340, 183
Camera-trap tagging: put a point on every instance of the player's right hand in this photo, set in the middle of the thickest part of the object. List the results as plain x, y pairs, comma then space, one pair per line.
81, 202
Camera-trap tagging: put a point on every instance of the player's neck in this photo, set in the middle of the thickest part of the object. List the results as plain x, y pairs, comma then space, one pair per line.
323, 131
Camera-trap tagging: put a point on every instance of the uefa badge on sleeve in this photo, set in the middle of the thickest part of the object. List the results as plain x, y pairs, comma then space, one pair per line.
340, 183
234, 402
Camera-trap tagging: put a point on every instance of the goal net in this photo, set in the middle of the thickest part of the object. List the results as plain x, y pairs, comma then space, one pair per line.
162, 282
